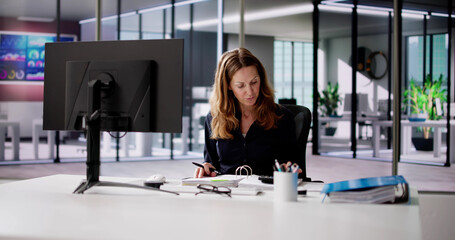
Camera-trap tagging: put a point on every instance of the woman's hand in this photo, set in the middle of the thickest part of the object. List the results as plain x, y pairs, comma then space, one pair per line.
204, 172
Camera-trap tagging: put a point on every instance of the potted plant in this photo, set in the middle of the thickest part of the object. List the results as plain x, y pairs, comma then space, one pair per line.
422, 103
329, 102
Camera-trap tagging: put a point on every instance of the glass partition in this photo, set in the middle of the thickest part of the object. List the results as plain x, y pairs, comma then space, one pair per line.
374, 88
424, 128
22, 54
153, 24
203, 50
334, 81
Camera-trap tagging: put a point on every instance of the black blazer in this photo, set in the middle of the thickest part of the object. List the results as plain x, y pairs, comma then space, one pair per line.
258, 149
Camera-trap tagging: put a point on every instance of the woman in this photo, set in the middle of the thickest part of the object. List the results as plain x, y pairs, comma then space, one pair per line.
245, 126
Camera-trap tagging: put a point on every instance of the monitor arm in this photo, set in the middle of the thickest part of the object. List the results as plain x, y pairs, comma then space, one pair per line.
93, 128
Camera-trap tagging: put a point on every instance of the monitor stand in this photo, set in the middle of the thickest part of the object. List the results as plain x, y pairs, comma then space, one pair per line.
93, 123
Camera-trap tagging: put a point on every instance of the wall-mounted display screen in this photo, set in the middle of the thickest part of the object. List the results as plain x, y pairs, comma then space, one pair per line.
22, 55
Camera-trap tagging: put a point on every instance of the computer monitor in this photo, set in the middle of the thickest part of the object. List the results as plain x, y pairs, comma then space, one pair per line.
362, 104
167, 55
113, 86
127, 101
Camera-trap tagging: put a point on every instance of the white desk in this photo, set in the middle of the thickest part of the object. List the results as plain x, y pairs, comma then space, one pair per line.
45, 208
14, 139
406, 133
345, 119
37, 126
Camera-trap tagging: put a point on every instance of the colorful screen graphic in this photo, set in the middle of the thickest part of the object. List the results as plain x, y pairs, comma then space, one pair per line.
22, 56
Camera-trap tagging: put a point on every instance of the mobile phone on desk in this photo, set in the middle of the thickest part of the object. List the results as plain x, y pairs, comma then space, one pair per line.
266, 179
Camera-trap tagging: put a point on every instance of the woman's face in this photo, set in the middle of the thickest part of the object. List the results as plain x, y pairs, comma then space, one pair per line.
245, 85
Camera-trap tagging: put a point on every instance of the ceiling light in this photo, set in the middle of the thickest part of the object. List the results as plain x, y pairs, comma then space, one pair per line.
279, 12
253, 16
188, 2
414, 12
35, 19
108, 18
440, 14
155, 8
87, 20
413, 15
128, 14
372, 12
339, 4
331, 8
378, 9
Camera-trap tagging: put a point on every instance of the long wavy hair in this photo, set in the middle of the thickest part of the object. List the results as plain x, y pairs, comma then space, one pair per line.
223, 104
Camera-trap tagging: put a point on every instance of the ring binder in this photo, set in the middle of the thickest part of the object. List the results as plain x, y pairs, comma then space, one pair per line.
384, 189
248, 170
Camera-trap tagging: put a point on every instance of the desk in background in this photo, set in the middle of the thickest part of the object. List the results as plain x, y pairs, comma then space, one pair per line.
406, 135
346, 118
14, 139
37, 126
45, 208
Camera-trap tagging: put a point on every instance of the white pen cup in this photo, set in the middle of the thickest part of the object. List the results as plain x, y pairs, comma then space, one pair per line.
285, 186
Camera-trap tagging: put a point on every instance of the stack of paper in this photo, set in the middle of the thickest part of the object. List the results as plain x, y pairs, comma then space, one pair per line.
221, 180
372, 195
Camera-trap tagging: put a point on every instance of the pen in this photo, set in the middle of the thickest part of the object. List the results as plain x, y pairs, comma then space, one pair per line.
295, 168
288, 166
211, 169
277, 165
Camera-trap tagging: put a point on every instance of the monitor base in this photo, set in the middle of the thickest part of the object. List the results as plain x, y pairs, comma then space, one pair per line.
85, 185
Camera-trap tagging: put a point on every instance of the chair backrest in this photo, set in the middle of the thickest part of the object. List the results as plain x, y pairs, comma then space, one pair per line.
302, 118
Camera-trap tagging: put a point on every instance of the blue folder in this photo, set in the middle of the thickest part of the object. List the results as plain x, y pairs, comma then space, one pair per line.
363, 183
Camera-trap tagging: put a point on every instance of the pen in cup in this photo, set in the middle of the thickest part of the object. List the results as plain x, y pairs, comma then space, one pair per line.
295, 168
277, 165
211, 169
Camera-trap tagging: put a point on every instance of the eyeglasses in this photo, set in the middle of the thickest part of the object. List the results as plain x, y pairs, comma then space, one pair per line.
206, 188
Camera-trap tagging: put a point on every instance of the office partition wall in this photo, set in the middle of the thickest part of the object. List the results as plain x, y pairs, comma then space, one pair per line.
426, 56
334, 81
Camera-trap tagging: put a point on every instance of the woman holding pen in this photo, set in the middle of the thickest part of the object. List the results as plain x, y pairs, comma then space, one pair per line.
245, 126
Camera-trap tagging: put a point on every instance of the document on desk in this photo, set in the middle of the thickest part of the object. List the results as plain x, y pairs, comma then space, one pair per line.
253, 181
177, 187
226, 180
190, 185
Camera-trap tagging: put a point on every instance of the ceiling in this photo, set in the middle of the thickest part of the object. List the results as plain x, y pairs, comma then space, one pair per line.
294, 21
300, 26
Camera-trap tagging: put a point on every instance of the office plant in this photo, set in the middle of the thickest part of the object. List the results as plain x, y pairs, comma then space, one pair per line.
329, 101
422, 101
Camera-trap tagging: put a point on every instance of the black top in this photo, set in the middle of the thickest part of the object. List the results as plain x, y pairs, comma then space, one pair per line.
258, 149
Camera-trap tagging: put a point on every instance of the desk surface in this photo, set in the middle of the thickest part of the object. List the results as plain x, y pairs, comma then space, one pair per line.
45, 208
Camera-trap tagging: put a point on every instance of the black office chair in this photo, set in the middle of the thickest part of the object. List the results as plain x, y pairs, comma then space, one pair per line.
302, 118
